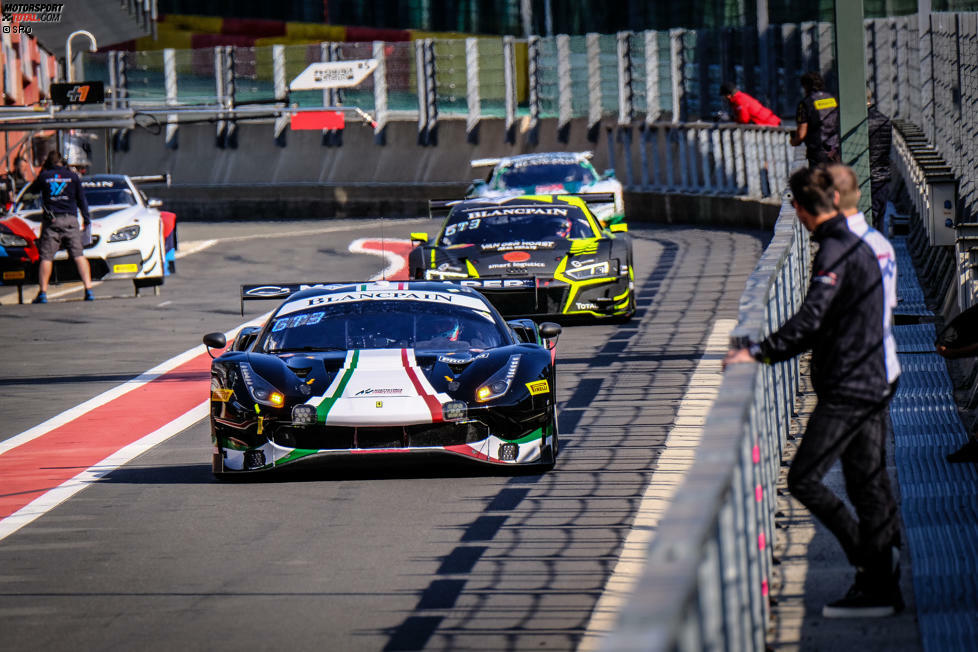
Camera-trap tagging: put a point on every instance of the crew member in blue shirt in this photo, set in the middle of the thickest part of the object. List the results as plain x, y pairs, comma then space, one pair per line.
62, 198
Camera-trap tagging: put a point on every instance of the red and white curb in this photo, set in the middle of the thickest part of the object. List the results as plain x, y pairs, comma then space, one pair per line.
40, 466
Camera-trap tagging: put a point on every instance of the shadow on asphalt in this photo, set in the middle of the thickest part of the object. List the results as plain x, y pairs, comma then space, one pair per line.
328, 471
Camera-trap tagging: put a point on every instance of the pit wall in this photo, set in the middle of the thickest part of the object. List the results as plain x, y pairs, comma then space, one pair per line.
259, 179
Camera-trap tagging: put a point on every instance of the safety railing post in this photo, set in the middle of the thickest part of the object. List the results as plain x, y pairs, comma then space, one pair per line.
219, 79
752, 158
432, 80
652, 109
717, 160
645, 131
729, 162
281, 93
472, 91
593, 42
676, 80
706, 184
533, 79
671, 144
331, 96
120, 137
427, 92
626, 101
170, 83
626, 92
565, 110
509, 81
380, 92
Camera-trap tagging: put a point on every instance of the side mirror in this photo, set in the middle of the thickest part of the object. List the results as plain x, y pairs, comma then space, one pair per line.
246, 337
419, 238
214, 341
620, 227
525, 330
608, 174
155, 203
550, 331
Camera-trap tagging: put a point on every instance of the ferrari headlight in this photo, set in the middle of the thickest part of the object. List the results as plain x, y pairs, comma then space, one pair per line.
454, 410
304, 415
11, 240
438, 275
260, 389
499, 383
126, 233
589, 271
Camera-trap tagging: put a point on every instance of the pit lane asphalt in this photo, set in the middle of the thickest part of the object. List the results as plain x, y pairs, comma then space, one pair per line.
159, 556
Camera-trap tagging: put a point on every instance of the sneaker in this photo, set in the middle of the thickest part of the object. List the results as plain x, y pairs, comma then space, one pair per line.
861, 603
89, 295
967, 453
42, 297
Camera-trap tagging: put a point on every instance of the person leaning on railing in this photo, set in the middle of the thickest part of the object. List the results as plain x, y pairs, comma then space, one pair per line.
843, 320
745, 109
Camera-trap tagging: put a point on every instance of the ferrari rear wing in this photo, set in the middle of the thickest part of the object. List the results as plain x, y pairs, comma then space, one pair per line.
278, 291
152, 178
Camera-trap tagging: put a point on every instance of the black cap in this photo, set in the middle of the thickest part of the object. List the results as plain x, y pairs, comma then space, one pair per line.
727, 88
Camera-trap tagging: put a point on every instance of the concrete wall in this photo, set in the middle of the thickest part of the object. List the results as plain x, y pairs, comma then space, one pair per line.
262, 180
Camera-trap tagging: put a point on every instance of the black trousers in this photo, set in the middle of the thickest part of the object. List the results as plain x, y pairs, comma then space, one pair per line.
880, 189
854, 433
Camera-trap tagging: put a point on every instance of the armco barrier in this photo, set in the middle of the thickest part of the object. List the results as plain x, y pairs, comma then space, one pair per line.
705, 583
309, 180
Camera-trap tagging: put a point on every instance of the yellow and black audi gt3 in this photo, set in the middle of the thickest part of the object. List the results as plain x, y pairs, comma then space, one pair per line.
532, 256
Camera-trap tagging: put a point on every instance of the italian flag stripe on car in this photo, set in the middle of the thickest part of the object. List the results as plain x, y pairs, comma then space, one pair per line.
338, 386
434, 405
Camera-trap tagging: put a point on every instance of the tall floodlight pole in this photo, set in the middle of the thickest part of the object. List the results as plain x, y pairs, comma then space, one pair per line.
92, 47
850, 61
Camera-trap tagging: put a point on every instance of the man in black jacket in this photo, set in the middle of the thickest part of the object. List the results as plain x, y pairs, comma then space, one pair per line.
843, 322
62, 198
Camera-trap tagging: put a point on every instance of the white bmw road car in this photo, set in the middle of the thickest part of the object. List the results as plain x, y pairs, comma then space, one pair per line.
131, 237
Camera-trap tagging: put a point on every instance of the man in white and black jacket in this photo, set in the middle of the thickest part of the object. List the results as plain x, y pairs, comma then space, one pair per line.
844, 321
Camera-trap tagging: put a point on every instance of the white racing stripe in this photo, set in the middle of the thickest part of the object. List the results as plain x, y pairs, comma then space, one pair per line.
51, 499
671, 468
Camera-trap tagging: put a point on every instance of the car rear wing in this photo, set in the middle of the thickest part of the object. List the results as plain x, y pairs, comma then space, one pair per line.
276, 291
280, 291
443, 206
152, 178
484, 162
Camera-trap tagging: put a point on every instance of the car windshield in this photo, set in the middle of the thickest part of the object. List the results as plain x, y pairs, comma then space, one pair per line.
109, 197
97, 193
421, 325
543, 173
535, 222
102, 191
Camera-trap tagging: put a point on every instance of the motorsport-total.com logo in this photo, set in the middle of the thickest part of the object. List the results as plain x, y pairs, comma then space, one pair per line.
17, 16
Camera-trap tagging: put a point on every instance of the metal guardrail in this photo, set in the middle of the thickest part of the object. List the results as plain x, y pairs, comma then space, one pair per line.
706, 581
707, 158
